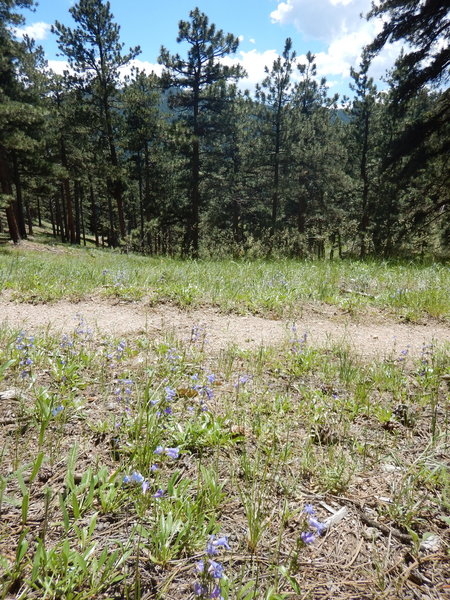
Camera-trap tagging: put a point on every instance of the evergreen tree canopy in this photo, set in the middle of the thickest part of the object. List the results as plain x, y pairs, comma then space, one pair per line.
196, 79
425, 26
94, 51
93, 48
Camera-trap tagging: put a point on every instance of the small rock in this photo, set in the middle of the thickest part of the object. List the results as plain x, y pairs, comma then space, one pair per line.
12, 394
431, 542
388, 468
371, 534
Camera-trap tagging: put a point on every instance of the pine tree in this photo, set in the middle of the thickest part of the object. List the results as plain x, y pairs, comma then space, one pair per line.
363, 110
20, 113
94, 52
317, 160
198, 83
274, 92
425, 27
144, 130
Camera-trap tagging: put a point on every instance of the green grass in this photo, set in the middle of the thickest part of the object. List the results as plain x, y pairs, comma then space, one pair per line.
278, 288
122, 462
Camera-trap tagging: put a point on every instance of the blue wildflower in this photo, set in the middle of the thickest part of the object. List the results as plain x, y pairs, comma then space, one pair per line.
170, 393
200, 589
309, 509
215, 569
136, 477
213, 544
316, 524
307, 537
200, 566
216, 593
173, 452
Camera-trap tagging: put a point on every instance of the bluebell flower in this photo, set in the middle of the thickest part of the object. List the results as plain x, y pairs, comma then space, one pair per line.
200, 566
316, 524
309, 509
145, 486
159, 450
173, 452
307, 537
170, 393
216, 593
126, 479
136, 477
159, 494
57, 410
215, 569
213, 544
200, 589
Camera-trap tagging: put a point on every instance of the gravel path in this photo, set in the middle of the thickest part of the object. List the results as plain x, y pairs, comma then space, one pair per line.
374, 336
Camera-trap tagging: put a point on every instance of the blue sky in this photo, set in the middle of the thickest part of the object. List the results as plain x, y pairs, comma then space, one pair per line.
331, 29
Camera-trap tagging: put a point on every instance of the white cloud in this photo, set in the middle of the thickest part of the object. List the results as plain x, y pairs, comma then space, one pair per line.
36, 31
59, 66
252, 41
142, 65
254, 63
338, 24
321, 19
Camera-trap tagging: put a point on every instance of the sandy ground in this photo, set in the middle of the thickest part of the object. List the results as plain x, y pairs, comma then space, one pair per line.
369, 336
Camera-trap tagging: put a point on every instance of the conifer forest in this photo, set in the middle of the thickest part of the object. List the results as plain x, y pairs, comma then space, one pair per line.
188, 164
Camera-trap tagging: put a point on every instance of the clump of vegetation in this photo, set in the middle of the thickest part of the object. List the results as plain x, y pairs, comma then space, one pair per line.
278, 288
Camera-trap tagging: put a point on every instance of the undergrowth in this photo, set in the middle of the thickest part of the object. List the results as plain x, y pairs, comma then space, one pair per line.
142, 468
410, 291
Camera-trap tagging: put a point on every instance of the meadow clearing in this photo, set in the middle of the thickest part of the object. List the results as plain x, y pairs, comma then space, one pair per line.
238, 429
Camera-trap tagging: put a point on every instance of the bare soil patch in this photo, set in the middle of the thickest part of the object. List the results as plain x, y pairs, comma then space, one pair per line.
369, 336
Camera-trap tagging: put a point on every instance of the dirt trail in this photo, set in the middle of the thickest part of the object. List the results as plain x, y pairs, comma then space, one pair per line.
324, 325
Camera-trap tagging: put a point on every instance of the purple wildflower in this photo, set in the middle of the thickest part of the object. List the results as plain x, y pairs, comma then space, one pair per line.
136, 477
200, 566
200, 589
216, 593
213, 544
307, 537
316, 524
57, 410
170, 393
173, 452
215, 569
309, 509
